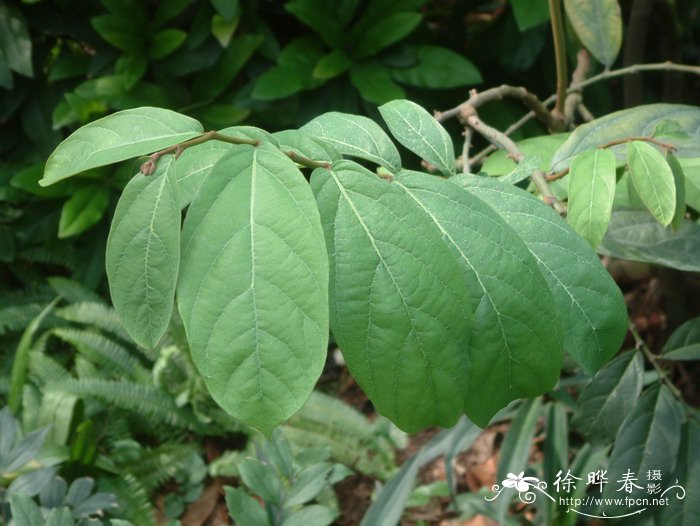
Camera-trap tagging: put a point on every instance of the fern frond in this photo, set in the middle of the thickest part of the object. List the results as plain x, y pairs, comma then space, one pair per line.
61, 255
72, 291
112, 357
143, 401
353, 440
43, 367
17, 317
134, 501
157, 465
96, 314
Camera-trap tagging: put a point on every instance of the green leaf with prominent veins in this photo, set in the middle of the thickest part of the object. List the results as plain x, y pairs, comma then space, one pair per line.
195, 163
591, 193
400, 308
653, 179
117, 137
143, 253
515, 344
591, 308
640, 121
418, 131
609, 397
356, 136
253, 286
598, 23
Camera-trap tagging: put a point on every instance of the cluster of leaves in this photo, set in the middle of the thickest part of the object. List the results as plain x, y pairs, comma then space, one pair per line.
236, 274
287, 484
363, 46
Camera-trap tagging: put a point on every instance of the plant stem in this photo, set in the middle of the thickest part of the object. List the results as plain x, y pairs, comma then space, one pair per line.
559, 54
465, 149
663, 374
605, 75
470, 118
149, 166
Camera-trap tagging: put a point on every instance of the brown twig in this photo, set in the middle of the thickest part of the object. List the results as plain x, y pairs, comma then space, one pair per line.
149, 167
663, 375
605, 75
470, 118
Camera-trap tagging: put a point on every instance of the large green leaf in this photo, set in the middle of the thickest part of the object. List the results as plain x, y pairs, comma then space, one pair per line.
253, 286
439, 67
195, 163
649, 438
591, 308
418, 131
356, 136
515, 343
683, 508
609, 397
633, 122
84, 208
117, 137
691, 169
400, 309
653, 180
297, 142
591, 193
143, 253
598, 23
636, 235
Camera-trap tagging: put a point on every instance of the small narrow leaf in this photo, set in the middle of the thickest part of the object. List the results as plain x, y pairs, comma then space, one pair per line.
400, 310
117, 137
683, 508
653, 179
679, 184
684, 343
649, 438
591, 308
609, 397
243, 508
598, 23
253, 286
418, 131
143, 253
85, 208
356, 136
515, 347
591, 193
